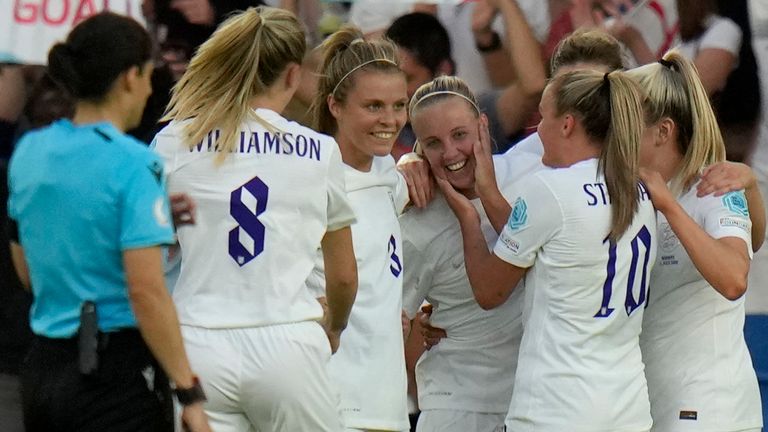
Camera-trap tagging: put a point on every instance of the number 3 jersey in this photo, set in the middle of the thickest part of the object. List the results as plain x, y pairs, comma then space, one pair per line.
580, 368
700, 374
261, 213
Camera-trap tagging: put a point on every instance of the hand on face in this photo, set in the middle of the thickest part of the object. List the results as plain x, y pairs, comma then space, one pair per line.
724, 177
661, 196
485, 175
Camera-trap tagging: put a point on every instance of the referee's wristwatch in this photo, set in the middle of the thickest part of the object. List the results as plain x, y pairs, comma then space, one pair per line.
191, 395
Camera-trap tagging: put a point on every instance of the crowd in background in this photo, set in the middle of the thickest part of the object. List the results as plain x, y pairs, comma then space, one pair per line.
503, 53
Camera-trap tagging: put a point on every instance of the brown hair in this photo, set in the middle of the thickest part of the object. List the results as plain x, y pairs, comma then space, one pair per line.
343, 54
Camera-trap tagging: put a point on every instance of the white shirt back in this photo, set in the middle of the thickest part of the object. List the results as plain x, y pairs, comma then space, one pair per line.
700, 375
260, 217
580, 367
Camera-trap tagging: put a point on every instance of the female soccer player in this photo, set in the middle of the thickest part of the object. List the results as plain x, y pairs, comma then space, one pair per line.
585, 234
92, 215
700, 375
465, 382
362, 102
269, 192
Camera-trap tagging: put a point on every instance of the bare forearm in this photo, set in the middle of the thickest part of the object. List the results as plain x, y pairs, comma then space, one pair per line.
496, 208
640, 50
719, 261
757, 215
524, 49
159, 326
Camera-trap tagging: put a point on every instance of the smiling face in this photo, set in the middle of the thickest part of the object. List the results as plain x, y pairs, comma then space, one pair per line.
371, 117
447, 131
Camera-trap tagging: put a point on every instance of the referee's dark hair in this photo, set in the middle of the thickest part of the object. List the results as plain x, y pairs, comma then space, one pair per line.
424, 36
96, 52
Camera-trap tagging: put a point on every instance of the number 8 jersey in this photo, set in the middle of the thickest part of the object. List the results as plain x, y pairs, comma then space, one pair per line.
580, 367
261, 214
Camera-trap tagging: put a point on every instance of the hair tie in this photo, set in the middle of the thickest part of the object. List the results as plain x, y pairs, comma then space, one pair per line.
606, 80
363, 64
445, 92
666, 63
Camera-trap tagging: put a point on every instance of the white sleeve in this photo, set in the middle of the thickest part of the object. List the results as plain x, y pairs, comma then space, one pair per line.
723, 34
727, 216
536, 217
418, 272
401, 196
340, 213
163, 144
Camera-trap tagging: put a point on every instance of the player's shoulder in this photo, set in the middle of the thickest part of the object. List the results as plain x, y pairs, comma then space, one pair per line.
422, 227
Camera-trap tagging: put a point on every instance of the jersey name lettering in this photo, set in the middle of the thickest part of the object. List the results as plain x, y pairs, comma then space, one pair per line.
264, 142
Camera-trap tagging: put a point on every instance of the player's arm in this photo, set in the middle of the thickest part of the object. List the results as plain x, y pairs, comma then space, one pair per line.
340, 281
724, 262
724, 177
492, 279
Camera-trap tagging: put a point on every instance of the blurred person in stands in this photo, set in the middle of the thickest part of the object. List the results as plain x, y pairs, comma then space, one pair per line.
425, 53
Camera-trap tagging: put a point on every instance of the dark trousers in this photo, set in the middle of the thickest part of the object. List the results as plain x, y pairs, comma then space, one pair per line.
128, 392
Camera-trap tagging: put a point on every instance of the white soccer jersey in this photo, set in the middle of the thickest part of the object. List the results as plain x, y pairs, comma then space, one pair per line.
700, 374
260, 217
473, 368
369, 367
531, 144
580, 367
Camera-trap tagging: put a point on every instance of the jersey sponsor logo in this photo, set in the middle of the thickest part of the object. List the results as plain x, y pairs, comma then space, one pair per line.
160, 213
737, 203
519, 216
669, 240
511, 244
689, 415
736, 223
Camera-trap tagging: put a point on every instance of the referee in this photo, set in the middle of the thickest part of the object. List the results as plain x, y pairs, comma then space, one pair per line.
90, 214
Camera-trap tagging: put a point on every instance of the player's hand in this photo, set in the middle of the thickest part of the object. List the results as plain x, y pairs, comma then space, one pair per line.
485, 174
661, 196
406, 323
182, 209
420, 183
431, 335
724, 177
482, 19
193, 418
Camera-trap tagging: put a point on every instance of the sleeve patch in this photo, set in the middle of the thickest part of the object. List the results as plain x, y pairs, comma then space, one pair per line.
519, 216
737, 203
511, 244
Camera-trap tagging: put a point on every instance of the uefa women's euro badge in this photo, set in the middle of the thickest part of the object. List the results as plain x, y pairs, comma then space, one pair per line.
736, 202
519, 216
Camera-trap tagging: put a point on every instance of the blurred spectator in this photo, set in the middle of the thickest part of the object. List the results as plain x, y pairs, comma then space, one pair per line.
12, 96
425, 52
182, 25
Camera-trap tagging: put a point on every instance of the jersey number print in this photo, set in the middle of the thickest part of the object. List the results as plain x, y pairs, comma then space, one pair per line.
246, 203
630, 303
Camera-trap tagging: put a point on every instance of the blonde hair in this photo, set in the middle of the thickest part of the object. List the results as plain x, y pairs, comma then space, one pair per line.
588, 46
675, 91
242, 59
609, 108
439, 89
345, 54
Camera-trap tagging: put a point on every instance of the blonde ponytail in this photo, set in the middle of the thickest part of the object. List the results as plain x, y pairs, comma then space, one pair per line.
242, 59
